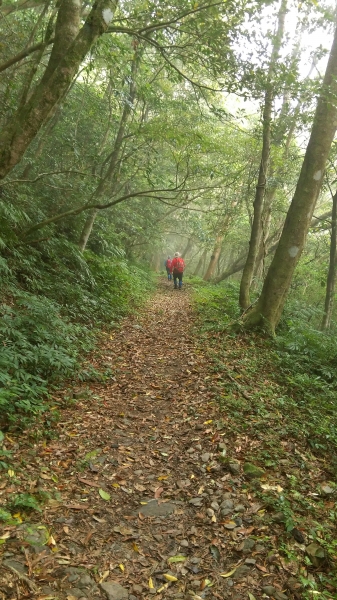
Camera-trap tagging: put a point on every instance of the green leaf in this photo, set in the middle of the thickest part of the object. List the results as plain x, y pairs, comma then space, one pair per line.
2, 436
104, 494
176, 559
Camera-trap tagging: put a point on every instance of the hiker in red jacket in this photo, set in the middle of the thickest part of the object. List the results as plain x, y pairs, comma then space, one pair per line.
168, 264
177, 268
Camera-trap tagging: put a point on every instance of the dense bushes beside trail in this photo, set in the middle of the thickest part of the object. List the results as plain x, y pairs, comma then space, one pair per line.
54, 301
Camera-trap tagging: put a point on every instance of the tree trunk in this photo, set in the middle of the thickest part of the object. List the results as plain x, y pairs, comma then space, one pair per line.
87, 228
331, 279
188, 248
200, 262
214, 257
267, 311
28, 120
270, 245
240, 262
116, 151
266, 223
256, 233
156, 262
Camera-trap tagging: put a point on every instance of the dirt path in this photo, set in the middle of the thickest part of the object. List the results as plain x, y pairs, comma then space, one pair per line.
134, 491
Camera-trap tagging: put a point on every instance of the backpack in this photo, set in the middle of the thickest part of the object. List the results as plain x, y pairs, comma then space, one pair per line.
168, 263
179, 265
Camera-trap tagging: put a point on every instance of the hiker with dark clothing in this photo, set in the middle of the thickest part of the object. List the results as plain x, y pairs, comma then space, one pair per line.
177, 268
168, 263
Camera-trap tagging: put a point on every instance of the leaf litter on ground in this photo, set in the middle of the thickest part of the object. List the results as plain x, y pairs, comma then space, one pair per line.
154, 436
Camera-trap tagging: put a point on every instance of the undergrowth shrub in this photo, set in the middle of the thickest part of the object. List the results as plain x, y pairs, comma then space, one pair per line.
301, 359
54, 301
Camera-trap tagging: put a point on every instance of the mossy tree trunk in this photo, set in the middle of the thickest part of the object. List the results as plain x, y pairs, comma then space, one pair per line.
266, 313
25, 123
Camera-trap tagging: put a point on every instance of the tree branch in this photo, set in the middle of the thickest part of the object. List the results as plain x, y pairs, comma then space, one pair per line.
9, 181
7, 9
160, 24
89, 206
15, 59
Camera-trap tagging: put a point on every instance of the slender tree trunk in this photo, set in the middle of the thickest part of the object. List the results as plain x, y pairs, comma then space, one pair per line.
266, 223
188, 248
116, 151
214, 257
87, 228
222, 228
156, 262
240, 262
23, 126
200, 262
270, 247
256, 233
331, 279
266, 314
203, 268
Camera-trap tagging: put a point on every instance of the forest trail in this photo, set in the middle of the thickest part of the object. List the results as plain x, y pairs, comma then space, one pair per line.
138, 496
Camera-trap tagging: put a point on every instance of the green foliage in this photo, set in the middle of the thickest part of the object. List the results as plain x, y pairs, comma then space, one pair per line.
48, 323
304, 365
217, 306
5, 516
26, 502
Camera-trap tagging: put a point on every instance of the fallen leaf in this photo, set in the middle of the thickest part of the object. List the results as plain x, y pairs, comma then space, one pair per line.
261, 568
176, 559
229, 524
169, 577
151, 586
139, 488
104, 494
122, 568
215, 552
88, 482
98, 519
158, 492
104, 576
51, 541
228, 574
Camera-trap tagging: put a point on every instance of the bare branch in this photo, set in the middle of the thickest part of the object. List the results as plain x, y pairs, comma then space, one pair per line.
9, 181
